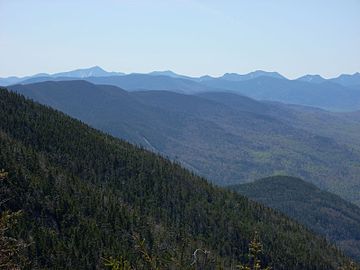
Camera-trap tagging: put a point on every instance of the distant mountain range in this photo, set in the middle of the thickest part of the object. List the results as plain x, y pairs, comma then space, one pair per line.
226, 137
96, 71
337, 94
327, 95
348, 80
231, 129
321, 211
252, 75
77, 73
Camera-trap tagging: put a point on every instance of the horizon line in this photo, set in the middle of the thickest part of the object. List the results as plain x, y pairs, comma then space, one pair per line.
180, 74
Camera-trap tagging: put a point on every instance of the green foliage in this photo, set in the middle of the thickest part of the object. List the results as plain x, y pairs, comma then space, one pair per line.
255, 250
151, 262
321, 211
349, 266
84, 195
117, 264
3, 174
201, 259
227, 138
11, 249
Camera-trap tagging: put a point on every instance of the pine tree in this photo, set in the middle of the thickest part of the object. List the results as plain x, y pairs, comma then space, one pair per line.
11, 249
255, 250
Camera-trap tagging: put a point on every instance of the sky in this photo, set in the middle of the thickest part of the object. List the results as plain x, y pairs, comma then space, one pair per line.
191, 37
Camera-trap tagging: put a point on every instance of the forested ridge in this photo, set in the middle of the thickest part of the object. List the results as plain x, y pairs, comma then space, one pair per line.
86, 196
323, 212
224, 137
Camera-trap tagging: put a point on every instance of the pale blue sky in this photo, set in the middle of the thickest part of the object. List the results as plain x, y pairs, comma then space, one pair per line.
192, 37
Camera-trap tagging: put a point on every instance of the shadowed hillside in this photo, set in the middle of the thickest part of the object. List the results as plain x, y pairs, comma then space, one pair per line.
321, 211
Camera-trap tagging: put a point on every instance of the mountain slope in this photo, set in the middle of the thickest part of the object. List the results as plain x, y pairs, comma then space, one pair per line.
134, 81
252, 75
108, 108
227, 143
348, 80
343, 127
321, 211
337, 94
312, 79
95, 71
82, 73
151, 82
86, 195
327, 95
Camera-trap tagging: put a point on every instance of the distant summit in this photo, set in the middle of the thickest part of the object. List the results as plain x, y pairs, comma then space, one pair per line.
95, 71
168, 73
312, 79
251, 75
172, 74
83, 73
348, 80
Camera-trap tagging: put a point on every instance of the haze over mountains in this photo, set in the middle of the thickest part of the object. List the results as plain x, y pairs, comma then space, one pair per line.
336, 94
96, 71
78, 73
233, 130
221, 135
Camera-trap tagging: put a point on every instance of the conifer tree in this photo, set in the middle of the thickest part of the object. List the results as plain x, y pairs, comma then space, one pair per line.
11, 249
255, 250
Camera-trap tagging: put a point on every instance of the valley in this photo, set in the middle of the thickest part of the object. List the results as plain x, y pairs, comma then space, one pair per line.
86, 195
225, 137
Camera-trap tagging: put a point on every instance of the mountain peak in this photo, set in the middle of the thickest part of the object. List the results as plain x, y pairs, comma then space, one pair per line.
97, 68
348, 80
164, 72
251, 75
94, 71
311, 78
273, 74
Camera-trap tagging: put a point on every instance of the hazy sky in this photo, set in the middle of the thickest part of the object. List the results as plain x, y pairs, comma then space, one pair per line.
192, 37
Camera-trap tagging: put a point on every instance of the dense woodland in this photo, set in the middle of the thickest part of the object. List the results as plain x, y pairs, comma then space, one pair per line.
226, 138
325, 213
86, 197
